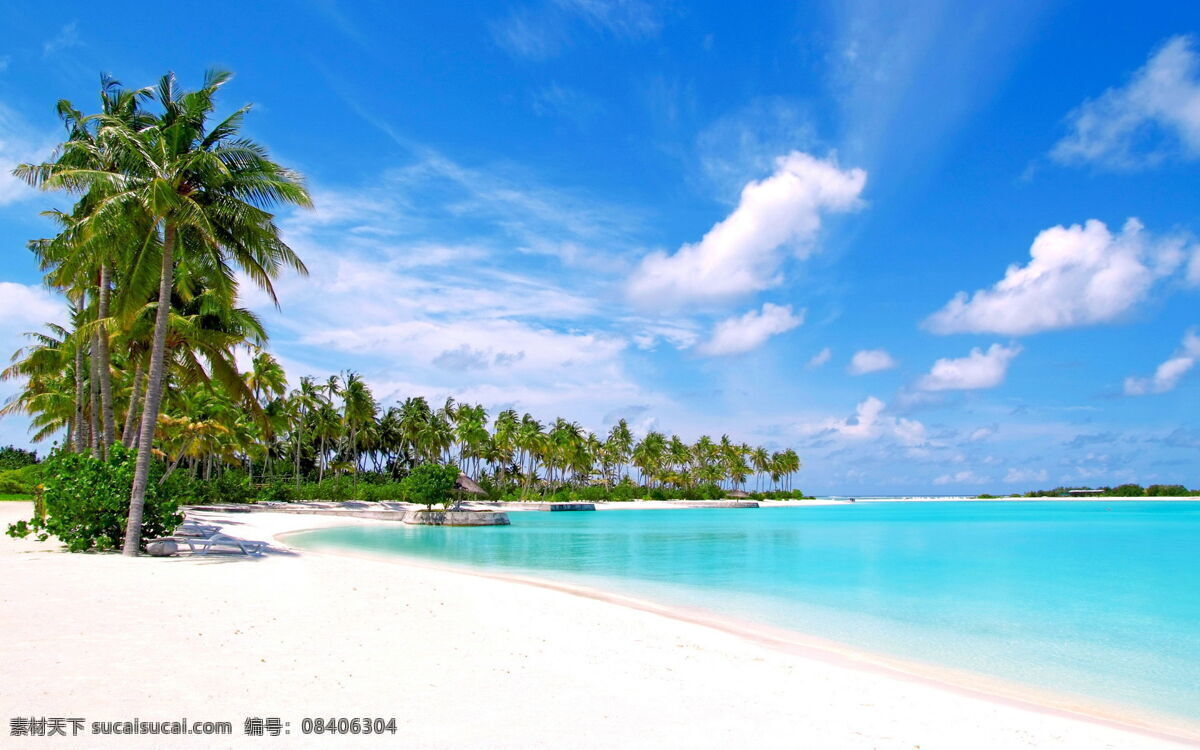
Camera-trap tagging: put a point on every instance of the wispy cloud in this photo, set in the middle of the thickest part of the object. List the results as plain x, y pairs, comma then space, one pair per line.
542, 30
820, 358
743, 145
19, 143
1170, 372
1154, 116
565, 102
908, 74
66, 38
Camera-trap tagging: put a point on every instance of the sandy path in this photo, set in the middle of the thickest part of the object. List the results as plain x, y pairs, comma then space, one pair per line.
458, 660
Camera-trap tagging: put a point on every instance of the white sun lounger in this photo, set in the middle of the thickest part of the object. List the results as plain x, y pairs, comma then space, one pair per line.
205, 545
192, 529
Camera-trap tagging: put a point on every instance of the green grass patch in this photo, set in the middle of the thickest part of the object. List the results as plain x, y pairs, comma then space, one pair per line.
26, 498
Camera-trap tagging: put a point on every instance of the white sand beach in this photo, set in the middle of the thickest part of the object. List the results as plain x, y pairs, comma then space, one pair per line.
459, 660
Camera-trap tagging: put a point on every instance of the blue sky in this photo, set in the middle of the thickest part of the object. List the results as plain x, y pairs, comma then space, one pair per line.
944, 247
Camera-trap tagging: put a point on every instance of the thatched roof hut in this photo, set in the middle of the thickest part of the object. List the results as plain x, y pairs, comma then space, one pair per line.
738, 494
467, 485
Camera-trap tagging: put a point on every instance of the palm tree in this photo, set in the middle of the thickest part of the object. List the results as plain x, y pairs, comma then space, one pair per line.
532, 443
760, 461
504, 439
203, 194
52, 392
648, 455
326, 426
358, 410
619, 445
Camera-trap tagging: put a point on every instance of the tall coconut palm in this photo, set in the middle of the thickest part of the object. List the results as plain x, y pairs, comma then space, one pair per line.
504, 442
358, 410
619, 444
760, 461
203, 192
648, 455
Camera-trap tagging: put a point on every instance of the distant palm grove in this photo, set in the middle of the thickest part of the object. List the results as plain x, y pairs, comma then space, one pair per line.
172, 204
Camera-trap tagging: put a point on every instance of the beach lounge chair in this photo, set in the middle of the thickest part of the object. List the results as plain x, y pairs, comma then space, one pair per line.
193, 529
204, 545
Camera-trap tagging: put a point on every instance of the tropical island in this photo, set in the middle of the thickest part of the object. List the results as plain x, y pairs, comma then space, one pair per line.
278, 580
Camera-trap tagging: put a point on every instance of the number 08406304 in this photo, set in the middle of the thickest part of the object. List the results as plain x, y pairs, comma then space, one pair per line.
365, 725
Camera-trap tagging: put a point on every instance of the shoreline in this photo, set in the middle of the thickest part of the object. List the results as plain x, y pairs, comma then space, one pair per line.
315, 633
964, 682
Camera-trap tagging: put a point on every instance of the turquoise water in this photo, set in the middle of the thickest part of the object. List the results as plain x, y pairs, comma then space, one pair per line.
1097, 599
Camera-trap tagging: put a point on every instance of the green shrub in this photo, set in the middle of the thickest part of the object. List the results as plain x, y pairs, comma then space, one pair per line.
331, 489
276, 492
21, 481
1167, 490
87, 502
12, 457
430, 483
1127, 490
392, 491
656, 493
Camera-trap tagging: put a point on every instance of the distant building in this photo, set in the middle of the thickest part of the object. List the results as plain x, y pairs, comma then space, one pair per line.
1085, 492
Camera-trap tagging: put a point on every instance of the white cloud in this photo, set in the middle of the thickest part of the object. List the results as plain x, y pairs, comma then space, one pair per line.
1170, 372
681, 334
746, 143
1076, 276
1142, 123
979, 369
18, 144
870, 422
1017, 476
820, 358
26, 307
981, 433
474, 344
870, 360
743, 253
750, 331
961, 477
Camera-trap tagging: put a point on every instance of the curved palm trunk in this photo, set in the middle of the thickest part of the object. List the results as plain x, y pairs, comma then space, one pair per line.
299, 438
321, 461
104, 366
94, 397
154, 391
135, 395
79, 436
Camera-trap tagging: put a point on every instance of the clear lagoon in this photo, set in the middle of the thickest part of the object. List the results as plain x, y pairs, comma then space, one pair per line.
1091, 598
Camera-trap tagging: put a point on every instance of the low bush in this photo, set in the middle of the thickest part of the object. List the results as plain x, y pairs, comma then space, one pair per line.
1127, 490
1167, 490
86, 502
391, 491
431, 483
21, 481
12, 457
278, 491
